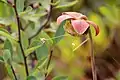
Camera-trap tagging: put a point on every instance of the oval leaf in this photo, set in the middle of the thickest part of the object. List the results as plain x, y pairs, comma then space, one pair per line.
1, 59
20, 5
60, 31
31, 78
41, 64
60, 78
41, 51
7, 35
67, 4
30, 50
6, 55
8, 45
24, 40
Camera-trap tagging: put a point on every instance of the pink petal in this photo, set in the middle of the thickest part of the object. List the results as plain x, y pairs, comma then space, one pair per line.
76, 15
80, 26
62, 18
95, 27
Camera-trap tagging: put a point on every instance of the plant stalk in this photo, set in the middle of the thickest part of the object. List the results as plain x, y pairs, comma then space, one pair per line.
19, 36
94, 74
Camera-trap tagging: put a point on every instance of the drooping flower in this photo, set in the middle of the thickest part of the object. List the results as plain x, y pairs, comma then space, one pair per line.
79, 23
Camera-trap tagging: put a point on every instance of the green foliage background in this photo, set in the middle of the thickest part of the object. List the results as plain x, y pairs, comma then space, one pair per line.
65, 61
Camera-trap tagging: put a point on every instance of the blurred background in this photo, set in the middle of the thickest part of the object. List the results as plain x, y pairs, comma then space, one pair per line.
66, 60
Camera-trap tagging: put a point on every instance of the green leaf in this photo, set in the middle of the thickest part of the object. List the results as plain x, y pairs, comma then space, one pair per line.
60, 78
5, 21
28, 2
24, 40
31, 78
1, 59
45, 3
107, 12
67, 4
30, 50
32, 25
6, 55
20, 5
60, 31
41, 64
39, 69
27, 10
8, 45
19, 55
5, 9
49, 41
2, 9
42, 51
4, 30
3, 1
9, 71
32, 15
111, 2
7, 35
56, 3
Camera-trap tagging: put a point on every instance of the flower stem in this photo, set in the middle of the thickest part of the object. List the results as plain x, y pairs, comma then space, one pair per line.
94, 74
19, 36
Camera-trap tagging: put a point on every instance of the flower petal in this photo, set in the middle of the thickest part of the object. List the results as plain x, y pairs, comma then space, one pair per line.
95, 27
80, 26
62, 18
75, 15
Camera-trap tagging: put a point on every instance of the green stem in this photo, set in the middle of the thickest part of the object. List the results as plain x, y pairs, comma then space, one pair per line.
94, 74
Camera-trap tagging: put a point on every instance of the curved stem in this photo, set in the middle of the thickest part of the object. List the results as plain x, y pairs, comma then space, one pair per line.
94, 74
20, 42
44, 24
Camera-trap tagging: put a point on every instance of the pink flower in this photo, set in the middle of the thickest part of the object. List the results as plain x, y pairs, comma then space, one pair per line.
79, 22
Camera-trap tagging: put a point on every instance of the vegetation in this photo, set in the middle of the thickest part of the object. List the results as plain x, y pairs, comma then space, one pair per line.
36, 44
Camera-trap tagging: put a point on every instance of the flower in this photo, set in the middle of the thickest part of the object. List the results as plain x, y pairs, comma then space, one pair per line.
79, 22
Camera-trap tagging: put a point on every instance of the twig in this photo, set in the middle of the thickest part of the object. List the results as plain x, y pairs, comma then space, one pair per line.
48, 64
94, 74
19, 36
45, 23
13, 72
